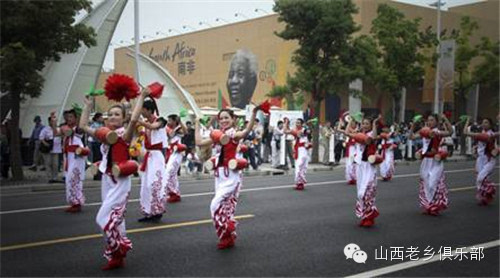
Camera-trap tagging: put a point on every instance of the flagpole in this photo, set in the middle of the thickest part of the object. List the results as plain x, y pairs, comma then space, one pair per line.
136, 39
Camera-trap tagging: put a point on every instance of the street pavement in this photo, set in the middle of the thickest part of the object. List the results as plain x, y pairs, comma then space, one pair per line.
281, 232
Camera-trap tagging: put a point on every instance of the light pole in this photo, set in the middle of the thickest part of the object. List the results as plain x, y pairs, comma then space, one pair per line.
240, 14
221, 19
264, 11
203, 22
437, 97
187, 26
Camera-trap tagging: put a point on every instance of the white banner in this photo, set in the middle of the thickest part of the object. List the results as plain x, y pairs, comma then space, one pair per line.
277, 115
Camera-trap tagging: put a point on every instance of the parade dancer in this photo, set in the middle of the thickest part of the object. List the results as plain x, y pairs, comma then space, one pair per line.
301, 154
387, 145
366, 171
350, 150
115, 167
227, 170
175, 130
485, 162
433, 189
74, 162
153, 179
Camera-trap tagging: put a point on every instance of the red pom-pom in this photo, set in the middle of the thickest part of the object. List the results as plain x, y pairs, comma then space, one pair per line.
156, 90
265, 106
119, 86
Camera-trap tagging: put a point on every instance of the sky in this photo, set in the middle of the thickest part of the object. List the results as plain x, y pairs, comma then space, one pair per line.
156, 17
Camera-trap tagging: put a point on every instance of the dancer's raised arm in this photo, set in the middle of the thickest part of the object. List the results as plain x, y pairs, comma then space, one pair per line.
84, 118
129, 131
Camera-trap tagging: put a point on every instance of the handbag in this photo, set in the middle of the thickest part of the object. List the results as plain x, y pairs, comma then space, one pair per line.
46, 148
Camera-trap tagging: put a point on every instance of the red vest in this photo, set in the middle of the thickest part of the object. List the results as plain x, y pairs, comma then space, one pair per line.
227, 153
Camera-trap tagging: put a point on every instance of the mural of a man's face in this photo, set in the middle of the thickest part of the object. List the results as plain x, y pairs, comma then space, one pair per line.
242, 79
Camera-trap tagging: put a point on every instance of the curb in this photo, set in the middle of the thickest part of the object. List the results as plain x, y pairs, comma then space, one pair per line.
33, 187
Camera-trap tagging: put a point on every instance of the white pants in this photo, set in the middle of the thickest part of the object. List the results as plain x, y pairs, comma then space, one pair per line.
111, 215
153, 182
387, 166
366, 186
173, 164
74, 177
433, 189
223, 205
350, 166
301, 166
485, 187
275, 156
51, 165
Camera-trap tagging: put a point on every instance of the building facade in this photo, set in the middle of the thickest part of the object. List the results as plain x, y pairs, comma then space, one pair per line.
201, 60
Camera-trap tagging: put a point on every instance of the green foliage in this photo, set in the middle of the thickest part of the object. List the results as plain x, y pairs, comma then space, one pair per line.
17, 70
464, 53
299, 100
323, 30
400, 42
34, 32
487, 71
364, 58
287, 92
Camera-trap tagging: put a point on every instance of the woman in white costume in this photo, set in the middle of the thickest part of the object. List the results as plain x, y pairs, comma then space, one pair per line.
387, 145
175, 130
227, 181
74, 166
433, 189
114, 189
153, 179
366, 172
485, 162
350, 150
301, 154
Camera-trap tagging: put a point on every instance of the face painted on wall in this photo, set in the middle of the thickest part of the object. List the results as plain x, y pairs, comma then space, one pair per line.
242, 78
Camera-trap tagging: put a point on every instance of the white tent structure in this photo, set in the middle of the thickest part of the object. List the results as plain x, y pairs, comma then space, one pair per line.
67, 80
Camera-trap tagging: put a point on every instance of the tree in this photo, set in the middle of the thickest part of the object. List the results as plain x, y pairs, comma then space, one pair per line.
32, 33
323, 30
399, 41
465, 52
486, 73
288, 91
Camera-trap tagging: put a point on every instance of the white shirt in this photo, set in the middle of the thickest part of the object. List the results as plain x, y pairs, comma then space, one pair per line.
57, 147
192, 157
48, 134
